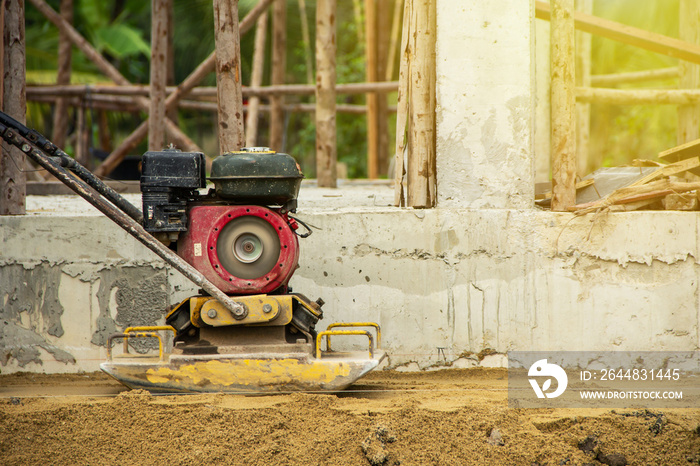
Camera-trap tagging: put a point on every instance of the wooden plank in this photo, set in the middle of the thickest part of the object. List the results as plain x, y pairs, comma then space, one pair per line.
670, 169
627, 34
684, 151
326, 137
580, 185
228, 76
563, 105
13, 183
159, 74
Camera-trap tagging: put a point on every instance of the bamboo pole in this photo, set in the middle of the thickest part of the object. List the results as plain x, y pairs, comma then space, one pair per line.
563, 139
395, 35
420, 175
125, 104
170, 80
400, 161
159, 74
638, 96
13, 183
251, 135
194, 78
205, 92
605, 80
326, 149
357, 18
228, 76
583, 79
306, 37
279, 66
371, 75
689, 31
60, 115
383, 30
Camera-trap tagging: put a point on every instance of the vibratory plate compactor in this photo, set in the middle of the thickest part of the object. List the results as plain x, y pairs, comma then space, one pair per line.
246, 332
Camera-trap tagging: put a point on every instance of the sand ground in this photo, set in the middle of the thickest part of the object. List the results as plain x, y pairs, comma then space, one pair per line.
447, 417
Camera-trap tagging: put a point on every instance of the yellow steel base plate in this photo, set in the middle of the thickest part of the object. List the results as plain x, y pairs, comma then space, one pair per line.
243, 373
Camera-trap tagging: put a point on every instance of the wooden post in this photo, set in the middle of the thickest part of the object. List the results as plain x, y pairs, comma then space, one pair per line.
395, 34
689, 31
60, 115
13, 185
251, 126
420, 176
279, 66
383, 37
563, 102
371, 97
159, 74
306, 37
326, 150
171, 113
400, 161
583, 79
228, 75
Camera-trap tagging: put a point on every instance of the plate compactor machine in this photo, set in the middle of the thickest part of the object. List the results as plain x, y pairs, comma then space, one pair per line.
246, 331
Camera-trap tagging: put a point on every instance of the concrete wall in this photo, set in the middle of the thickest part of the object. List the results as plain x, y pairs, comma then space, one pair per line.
458, 279
483, 272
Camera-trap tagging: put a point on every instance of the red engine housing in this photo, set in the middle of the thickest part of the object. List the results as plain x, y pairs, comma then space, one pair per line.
199, 246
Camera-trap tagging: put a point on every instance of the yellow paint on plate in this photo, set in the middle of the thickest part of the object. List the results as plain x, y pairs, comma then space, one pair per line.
249, 372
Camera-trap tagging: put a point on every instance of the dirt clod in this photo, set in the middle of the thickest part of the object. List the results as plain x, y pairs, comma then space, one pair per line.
495, 438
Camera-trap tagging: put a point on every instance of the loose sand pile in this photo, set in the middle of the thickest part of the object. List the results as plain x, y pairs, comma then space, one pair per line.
445, 417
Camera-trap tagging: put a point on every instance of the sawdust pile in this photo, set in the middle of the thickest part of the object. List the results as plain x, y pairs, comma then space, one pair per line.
447, 417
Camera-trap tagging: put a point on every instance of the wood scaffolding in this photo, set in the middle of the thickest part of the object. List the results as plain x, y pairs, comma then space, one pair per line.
413, 21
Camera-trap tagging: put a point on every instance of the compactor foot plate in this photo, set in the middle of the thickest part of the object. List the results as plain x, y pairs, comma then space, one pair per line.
245, 374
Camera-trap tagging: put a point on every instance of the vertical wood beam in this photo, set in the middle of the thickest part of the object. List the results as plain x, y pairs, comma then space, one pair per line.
420, 176
251, 135
60, 115
563, 102
171, 112
400, 154
228, 75
384, 17
371, 97
13, 185
159, 74
583, 79
326, 147
279, 66
689, 31
306, 37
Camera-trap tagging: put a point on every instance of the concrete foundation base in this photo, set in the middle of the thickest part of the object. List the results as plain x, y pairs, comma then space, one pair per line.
444, 284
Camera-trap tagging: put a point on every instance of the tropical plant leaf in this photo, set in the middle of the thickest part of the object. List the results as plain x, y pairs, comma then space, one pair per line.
122, 41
